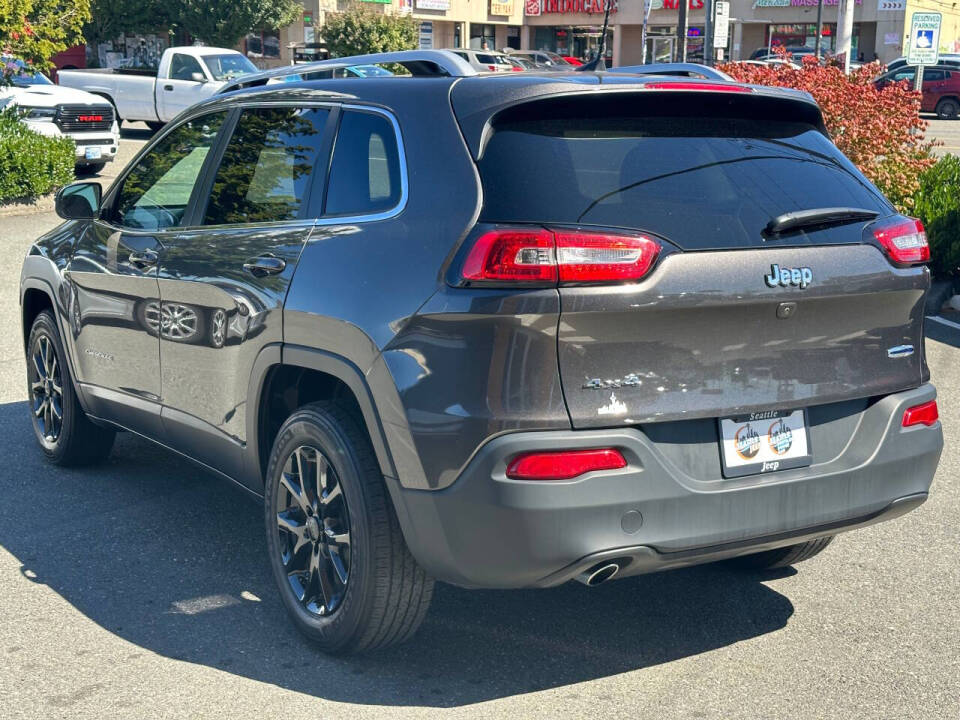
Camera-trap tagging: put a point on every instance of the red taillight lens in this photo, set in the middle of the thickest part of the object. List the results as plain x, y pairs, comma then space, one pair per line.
564, 465
566, 256
710, 86
493, 68
926, 414
513, 256
904, 241
598, 257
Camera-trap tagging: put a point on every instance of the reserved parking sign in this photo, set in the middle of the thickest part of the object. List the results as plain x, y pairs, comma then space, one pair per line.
924, 39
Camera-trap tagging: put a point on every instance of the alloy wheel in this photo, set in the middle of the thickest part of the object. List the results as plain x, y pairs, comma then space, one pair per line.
46, 388
314, 531
218, 330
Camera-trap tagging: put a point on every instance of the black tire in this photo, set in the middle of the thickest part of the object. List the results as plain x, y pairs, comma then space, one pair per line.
782, 557
72, 439
385, 594
90, 169
155, 126
948, 109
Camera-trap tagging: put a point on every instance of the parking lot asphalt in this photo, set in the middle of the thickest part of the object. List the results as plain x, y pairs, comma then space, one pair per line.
140, 589
947, 132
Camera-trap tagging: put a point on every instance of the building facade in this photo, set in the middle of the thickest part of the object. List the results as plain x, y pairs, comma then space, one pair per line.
572, 27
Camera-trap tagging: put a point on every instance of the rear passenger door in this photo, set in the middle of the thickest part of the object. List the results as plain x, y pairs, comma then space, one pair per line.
223, 282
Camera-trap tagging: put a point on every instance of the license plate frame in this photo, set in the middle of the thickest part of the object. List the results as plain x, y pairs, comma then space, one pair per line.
750, 444
92, 153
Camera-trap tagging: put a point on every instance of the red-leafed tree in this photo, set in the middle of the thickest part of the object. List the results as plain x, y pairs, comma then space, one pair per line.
879, 129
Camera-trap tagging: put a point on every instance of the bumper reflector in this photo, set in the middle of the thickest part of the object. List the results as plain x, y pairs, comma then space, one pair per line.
926, 414
564, 464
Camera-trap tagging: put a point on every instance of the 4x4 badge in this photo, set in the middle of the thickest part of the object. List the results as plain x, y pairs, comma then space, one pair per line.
784, 277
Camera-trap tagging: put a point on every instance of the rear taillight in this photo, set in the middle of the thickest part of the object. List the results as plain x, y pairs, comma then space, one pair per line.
492, 68
904, 241
564, 464
543, 256
926, 414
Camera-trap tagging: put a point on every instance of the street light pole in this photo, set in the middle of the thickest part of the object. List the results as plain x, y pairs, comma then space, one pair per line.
817, 45
681, 51
708, 33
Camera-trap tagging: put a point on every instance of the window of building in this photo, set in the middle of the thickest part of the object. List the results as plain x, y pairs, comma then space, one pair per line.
267, 165
263, 44
483, 37
365, 171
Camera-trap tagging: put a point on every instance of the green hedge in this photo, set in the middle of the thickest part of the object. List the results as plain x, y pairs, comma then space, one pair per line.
938, 206
31, 164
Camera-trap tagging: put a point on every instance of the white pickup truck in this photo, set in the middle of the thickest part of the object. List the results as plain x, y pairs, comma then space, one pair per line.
185, 76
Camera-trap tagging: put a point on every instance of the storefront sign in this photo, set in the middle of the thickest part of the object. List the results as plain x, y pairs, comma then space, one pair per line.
426, 36
675, 5
924, 39
531, 8
501, 7
795, 3
433, 4
721, 24
580, 6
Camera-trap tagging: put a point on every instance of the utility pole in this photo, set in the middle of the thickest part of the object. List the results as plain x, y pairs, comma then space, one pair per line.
845, 31
819, 42
681, 51
708, 33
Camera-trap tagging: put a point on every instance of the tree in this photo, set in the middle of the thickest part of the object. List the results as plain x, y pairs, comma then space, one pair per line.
33, 31
112, 18
225, 22
361, 31
879, 129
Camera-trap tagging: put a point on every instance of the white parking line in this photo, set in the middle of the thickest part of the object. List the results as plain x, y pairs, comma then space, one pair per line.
944, 321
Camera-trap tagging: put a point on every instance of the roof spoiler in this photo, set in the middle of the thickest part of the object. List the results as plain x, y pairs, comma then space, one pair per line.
419, 63
678, 69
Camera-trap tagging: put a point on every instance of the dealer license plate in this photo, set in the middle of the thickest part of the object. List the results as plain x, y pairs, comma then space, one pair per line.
764, 442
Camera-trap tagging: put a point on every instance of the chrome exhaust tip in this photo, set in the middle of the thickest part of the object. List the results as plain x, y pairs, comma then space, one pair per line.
598, 574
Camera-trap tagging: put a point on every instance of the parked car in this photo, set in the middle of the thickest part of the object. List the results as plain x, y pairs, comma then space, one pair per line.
659, 358
572, 60
184, 76
352, 71
940, 91
951, 59
797, 51
60, 112
543, 59
485, 60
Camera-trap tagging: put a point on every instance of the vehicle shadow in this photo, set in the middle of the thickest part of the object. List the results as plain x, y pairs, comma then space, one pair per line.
172, 559
140, 132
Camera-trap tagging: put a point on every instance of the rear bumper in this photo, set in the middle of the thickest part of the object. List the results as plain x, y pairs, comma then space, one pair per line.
488, 531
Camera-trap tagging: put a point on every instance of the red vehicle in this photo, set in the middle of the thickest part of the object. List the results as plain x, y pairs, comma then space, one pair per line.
941, 88
572, 60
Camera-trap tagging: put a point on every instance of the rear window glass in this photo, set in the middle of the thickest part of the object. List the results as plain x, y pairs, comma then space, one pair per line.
710, 182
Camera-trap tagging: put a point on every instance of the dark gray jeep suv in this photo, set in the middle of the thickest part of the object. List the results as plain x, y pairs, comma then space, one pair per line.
502, 331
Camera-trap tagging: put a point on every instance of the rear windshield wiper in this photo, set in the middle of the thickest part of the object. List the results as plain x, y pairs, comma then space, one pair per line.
817, 217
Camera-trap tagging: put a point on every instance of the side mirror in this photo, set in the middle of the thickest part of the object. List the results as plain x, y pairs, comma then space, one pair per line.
198, 77
80, 201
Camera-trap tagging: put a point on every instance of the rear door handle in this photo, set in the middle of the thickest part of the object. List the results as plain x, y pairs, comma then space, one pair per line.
143, 259
264, 265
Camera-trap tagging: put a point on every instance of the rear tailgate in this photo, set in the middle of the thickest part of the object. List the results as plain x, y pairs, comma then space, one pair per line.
716, 328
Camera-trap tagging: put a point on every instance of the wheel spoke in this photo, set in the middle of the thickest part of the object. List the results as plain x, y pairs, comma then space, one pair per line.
38, 363
41, 408
331, 495
326, 587
341, 539
339, 567
295, 528
294, 489
305, 502
321, 475
310, 586
48, 357
37, 386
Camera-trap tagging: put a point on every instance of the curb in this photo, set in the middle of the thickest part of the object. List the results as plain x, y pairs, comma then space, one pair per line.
40, 205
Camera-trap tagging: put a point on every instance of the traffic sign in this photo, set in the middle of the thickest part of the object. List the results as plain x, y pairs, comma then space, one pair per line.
892, 5
924, 39
721, 27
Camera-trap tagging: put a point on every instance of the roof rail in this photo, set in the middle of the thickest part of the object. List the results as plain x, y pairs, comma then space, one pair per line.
419, 63
680, 69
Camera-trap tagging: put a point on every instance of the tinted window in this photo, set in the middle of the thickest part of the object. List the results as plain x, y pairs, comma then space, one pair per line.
267, 165
182, 67
932, 75
701, 182
156, 192
365, 172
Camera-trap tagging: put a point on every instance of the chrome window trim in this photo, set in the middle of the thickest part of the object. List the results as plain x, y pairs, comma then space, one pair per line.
300, 222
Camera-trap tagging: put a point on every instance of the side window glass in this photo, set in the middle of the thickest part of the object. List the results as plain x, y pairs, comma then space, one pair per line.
365, 171
266, 168
182, 67
156, 192
933, 75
